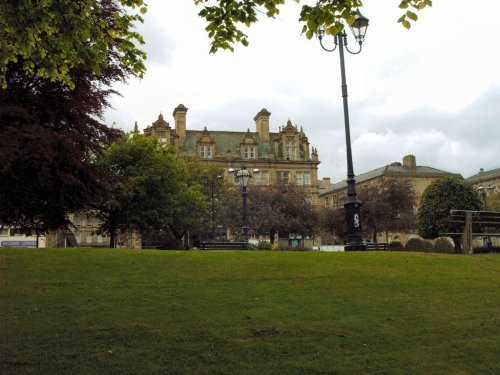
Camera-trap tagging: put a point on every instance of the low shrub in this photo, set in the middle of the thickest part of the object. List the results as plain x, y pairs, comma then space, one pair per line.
251, 246
443, 245
395, 246
418, 244
264, 245
261, 245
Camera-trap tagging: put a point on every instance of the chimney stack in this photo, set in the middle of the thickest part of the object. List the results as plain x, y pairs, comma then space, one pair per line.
180, 120
409, 161
262, 124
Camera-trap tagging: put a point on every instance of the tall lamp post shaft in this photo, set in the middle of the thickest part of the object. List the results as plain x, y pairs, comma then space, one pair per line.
352, 204
243, 176
212, 188
244, 194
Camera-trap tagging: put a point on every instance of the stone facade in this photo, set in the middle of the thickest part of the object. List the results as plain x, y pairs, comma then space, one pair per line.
84, 233
333, 195
486, 182
273, 157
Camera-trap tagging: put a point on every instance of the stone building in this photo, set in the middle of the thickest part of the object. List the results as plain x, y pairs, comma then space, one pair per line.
486, 182
333, 195
284, 156
84, 233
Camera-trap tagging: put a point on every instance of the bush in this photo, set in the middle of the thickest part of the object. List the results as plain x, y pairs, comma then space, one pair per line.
264, 245
443, 245
261, 245
395, 246
418, 244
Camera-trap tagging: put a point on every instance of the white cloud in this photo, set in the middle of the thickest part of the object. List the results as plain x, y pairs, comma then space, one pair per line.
432, 91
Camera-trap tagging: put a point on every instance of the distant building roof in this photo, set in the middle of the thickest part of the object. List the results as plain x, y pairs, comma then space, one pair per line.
228, 141
484, 175
394, 169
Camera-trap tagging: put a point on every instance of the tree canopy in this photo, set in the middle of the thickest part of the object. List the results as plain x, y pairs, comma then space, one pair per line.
49, 38
152, 191
441, 196
49, 138
58, 60
280, 209
225, 18
387, 207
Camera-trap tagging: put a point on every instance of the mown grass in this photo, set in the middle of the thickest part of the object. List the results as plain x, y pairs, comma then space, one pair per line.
91, 311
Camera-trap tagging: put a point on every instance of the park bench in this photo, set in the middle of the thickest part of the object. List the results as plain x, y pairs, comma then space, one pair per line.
221, 245
376, 246
471, 224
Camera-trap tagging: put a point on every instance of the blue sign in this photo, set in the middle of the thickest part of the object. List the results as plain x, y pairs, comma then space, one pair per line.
19, 243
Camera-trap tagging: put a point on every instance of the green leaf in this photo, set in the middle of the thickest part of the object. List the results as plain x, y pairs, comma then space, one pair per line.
412, 16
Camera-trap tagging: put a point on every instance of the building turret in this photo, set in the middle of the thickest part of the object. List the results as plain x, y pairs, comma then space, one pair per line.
180, 120
262, 124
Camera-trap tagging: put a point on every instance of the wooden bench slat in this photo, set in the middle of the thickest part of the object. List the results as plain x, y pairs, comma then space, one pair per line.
376, 246
214, 245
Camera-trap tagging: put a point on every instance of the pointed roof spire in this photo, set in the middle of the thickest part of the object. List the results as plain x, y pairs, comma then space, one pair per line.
136, 128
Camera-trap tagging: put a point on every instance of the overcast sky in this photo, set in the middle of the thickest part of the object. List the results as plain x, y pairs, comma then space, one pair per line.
432, 91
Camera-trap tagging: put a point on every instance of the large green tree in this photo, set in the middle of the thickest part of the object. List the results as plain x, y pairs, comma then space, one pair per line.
152, 191
49, 38
58, 61
225, 18
441, 196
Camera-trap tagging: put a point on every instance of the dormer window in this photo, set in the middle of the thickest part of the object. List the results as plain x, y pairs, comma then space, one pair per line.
249, 152
205, 151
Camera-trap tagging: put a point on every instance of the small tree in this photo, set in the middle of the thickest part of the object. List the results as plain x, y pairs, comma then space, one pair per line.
283, 209
332, 221
441, 196
387, 207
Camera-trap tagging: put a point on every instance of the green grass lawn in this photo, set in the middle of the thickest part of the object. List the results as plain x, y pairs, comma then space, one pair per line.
86, 311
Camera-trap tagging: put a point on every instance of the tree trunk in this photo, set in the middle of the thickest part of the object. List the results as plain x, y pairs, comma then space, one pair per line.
112, 236
272, 232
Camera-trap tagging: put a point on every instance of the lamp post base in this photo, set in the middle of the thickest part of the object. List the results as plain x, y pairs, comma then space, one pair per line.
354, 240
354, 246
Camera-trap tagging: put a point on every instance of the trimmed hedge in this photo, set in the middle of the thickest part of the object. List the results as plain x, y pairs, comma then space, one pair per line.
443, 245
395, 246
418, 244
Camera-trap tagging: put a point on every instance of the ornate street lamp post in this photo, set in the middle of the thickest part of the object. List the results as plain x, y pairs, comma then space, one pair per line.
211, 183
243, 176
352, 205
